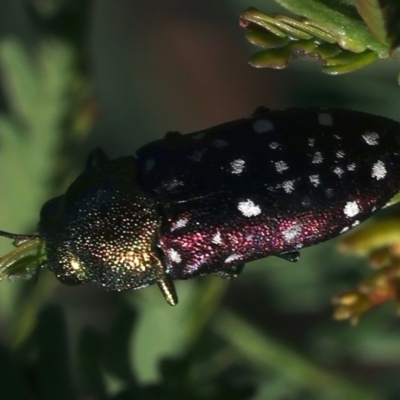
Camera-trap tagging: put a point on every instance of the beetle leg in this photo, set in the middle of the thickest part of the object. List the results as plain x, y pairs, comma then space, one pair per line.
233, 272
167, 287
292, 256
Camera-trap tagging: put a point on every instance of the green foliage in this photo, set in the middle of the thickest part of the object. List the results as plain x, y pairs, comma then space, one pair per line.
37, 89
220, 365
342, 37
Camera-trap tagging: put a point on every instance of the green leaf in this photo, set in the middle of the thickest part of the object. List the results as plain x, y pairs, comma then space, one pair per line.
13, 385
272, 58
382, 18
265, 39
341, 20
37, 92
332, 33
373, 15
283, 26
45, 93
50, 364
116, 343
309, 29
90, 348
349, 62
269, 354
279, 58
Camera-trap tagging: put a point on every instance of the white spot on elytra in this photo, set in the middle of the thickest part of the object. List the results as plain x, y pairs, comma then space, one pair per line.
237, 166
345, 229
232, 257
274, 145
311, 142
198, 136
292, 232
180, 223
248, 208
197, 155
325, 119
314, 179
217, 238
281, 166
379, 170
355, 223
149, 165
338, 171
340, 154
351, 209
263, 126
317, 158
351, 167
220, 143
371, 138
174, 256
288, 186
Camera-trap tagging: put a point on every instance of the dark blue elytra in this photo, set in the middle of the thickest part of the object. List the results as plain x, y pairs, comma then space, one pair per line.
207, 202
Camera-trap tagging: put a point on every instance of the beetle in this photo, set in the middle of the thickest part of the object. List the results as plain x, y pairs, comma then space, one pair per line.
210, 201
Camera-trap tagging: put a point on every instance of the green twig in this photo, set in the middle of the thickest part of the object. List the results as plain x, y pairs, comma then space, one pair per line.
269, 354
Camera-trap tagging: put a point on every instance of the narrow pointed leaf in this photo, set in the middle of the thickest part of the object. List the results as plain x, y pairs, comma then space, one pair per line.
272, 58
253, 16
265, 39
341, 20
373, 15
327, 50
338, 65
308, 30
382, 19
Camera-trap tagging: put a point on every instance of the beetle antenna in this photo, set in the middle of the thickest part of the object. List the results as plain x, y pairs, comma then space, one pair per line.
18, 238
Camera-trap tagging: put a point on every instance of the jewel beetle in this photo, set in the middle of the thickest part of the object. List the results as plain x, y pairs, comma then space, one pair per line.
207, 202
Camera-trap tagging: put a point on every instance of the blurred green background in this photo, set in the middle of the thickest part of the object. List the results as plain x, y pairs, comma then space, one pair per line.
78, 74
